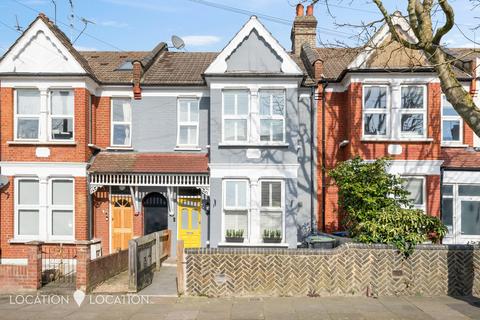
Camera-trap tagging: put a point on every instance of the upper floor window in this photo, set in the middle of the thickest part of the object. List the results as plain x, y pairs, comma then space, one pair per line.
394, 114
413, 111
121, 122
236, 108
27, 115
188, 122
61, 117
452, 123
272, 115
376, 113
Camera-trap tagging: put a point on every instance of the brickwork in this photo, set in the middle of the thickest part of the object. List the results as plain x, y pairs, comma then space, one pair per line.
351, 269
101, 228
102, 122
23, 277
106, 267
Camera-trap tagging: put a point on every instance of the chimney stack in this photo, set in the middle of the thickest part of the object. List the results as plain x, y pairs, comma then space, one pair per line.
304, 29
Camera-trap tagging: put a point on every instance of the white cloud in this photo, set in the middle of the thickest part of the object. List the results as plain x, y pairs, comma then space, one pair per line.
113, 24
82, 48
197, 41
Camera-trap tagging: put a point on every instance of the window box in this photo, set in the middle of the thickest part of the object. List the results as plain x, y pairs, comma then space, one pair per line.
272, 236
234, 235
234, 239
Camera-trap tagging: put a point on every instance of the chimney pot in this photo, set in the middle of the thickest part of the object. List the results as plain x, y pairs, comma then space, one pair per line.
310, 10
300, 10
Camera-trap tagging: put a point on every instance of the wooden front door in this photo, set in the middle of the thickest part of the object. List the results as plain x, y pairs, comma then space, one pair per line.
190, 222
122, 222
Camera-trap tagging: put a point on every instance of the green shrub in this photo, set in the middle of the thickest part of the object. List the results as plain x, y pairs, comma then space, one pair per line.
272, 234
377, 208
231, 233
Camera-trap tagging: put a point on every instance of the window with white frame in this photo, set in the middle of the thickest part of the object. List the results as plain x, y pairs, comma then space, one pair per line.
27, 208
188, 122
416, 188
121, 122
272, 115
61, 208
271, 206
61, 114
452, 124
375, 110
236, 107
236, 206
27, 114
413, 111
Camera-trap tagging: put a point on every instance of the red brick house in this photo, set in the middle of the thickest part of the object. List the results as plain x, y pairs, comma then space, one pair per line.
386, 101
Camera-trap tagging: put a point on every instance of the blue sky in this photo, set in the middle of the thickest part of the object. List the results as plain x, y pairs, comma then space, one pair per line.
141, 24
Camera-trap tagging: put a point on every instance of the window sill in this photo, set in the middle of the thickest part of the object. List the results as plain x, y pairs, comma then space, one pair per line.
248, 244
120, 148
454, 145
254, 145
401, 140
43, 143
187, 149
26, 241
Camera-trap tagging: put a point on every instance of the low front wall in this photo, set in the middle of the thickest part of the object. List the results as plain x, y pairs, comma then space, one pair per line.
351, 269
106, 267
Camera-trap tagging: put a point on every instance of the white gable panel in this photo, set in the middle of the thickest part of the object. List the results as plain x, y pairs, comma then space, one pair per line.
39, 51
219, 65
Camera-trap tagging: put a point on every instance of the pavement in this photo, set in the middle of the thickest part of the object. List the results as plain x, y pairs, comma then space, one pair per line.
163, 308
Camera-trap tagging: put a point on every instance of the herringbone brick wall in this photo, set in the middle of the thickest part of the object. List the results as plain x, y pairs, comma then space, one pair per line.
351, 269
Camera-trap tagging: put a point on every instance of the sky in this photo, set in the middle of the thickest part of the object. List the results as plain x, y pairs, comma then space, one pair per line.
142, 24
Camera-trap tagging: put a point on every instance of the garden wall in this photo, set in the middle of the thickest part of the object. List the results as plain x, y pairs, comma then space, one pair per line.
350, 269
105, 267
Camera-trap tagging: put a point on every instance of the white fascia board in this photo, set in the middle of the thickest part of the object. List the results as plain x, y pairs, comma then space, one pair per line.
415, 167
253, 171
126, 91
252, 83
39, 51
219, 65
460, 176
49, 82
43, 169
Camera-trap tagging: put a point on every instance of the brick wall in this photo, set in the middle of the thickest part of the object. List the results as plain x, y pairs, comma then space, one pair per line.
102, 122
351, 269
101, 228
14, 278
106, 267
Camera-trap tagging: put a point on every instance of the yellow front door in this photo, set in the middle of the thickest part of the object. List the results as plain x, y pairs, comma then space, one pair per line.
122, 222
189, 222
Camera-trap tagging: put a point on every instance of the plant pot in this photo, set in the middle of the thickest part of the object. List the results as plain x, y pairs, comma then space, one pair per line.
330, 244
234, 239
272, 240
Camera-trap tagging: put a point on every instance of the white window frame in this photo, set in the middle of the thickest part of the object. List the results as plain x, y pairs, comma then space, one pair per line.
236, 117
450, 118
386, 111
18, 207
272, 116
422, 111
273, 209
247, 207
17, 116
189, 123
113, 123
52, 207
422, 206
51, 116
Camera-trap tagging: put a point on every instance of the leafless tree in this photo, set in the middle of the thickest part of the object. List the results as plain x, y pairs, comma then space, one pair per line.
428, 37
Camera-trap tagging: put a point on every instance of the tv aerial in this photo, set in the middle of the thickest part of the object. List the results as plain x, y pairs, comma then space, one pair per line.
178, 42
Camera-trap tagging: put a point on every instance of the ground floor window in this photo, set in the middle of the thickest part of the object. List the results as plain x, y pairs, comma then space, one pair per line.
255, 209
415, 185
44, 209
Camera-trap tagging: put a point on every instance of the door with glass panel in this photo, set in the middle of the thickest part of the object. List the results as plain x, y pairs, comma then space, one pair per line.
189, 221
122, 222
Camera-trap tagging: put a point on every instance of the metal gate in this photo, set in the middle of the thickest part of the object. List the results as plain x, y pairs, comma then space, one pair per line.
59, 266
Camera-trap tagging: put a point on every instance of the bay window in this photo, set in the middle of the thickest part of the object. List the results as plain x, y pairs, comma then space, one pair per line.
413, 111
27, 208
27, 114
272, 115
62, 116
452, 124
236, 107
376, 112
236, 206
121, 122
271, 207
188, 122
416, 188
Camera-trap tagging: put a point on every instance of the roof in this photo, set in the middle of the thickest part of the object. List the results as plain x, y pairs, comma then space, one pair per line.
455, 158
133, 162
336, 60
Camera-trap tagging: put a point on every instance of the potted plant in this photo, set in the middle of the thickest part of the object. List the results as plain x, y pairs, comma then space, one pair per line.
234, 235
272, 236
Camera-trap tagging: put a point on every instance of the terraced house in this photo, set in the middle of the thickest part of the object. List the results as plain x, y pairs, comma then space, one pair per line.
225, 149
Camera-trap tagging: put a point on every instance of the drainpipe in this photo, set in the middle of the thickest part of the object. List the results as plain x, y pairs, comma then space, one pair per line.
324, 148
312, 159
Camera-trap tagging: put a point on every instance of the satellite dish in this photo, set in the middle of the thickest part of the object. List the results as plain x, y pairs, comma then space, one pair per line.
3, 181
178, 42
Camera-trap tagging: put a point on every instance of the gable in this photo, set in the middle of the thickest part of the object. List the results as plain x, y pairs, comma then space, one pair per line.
239, 54
38, 50
254, 54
